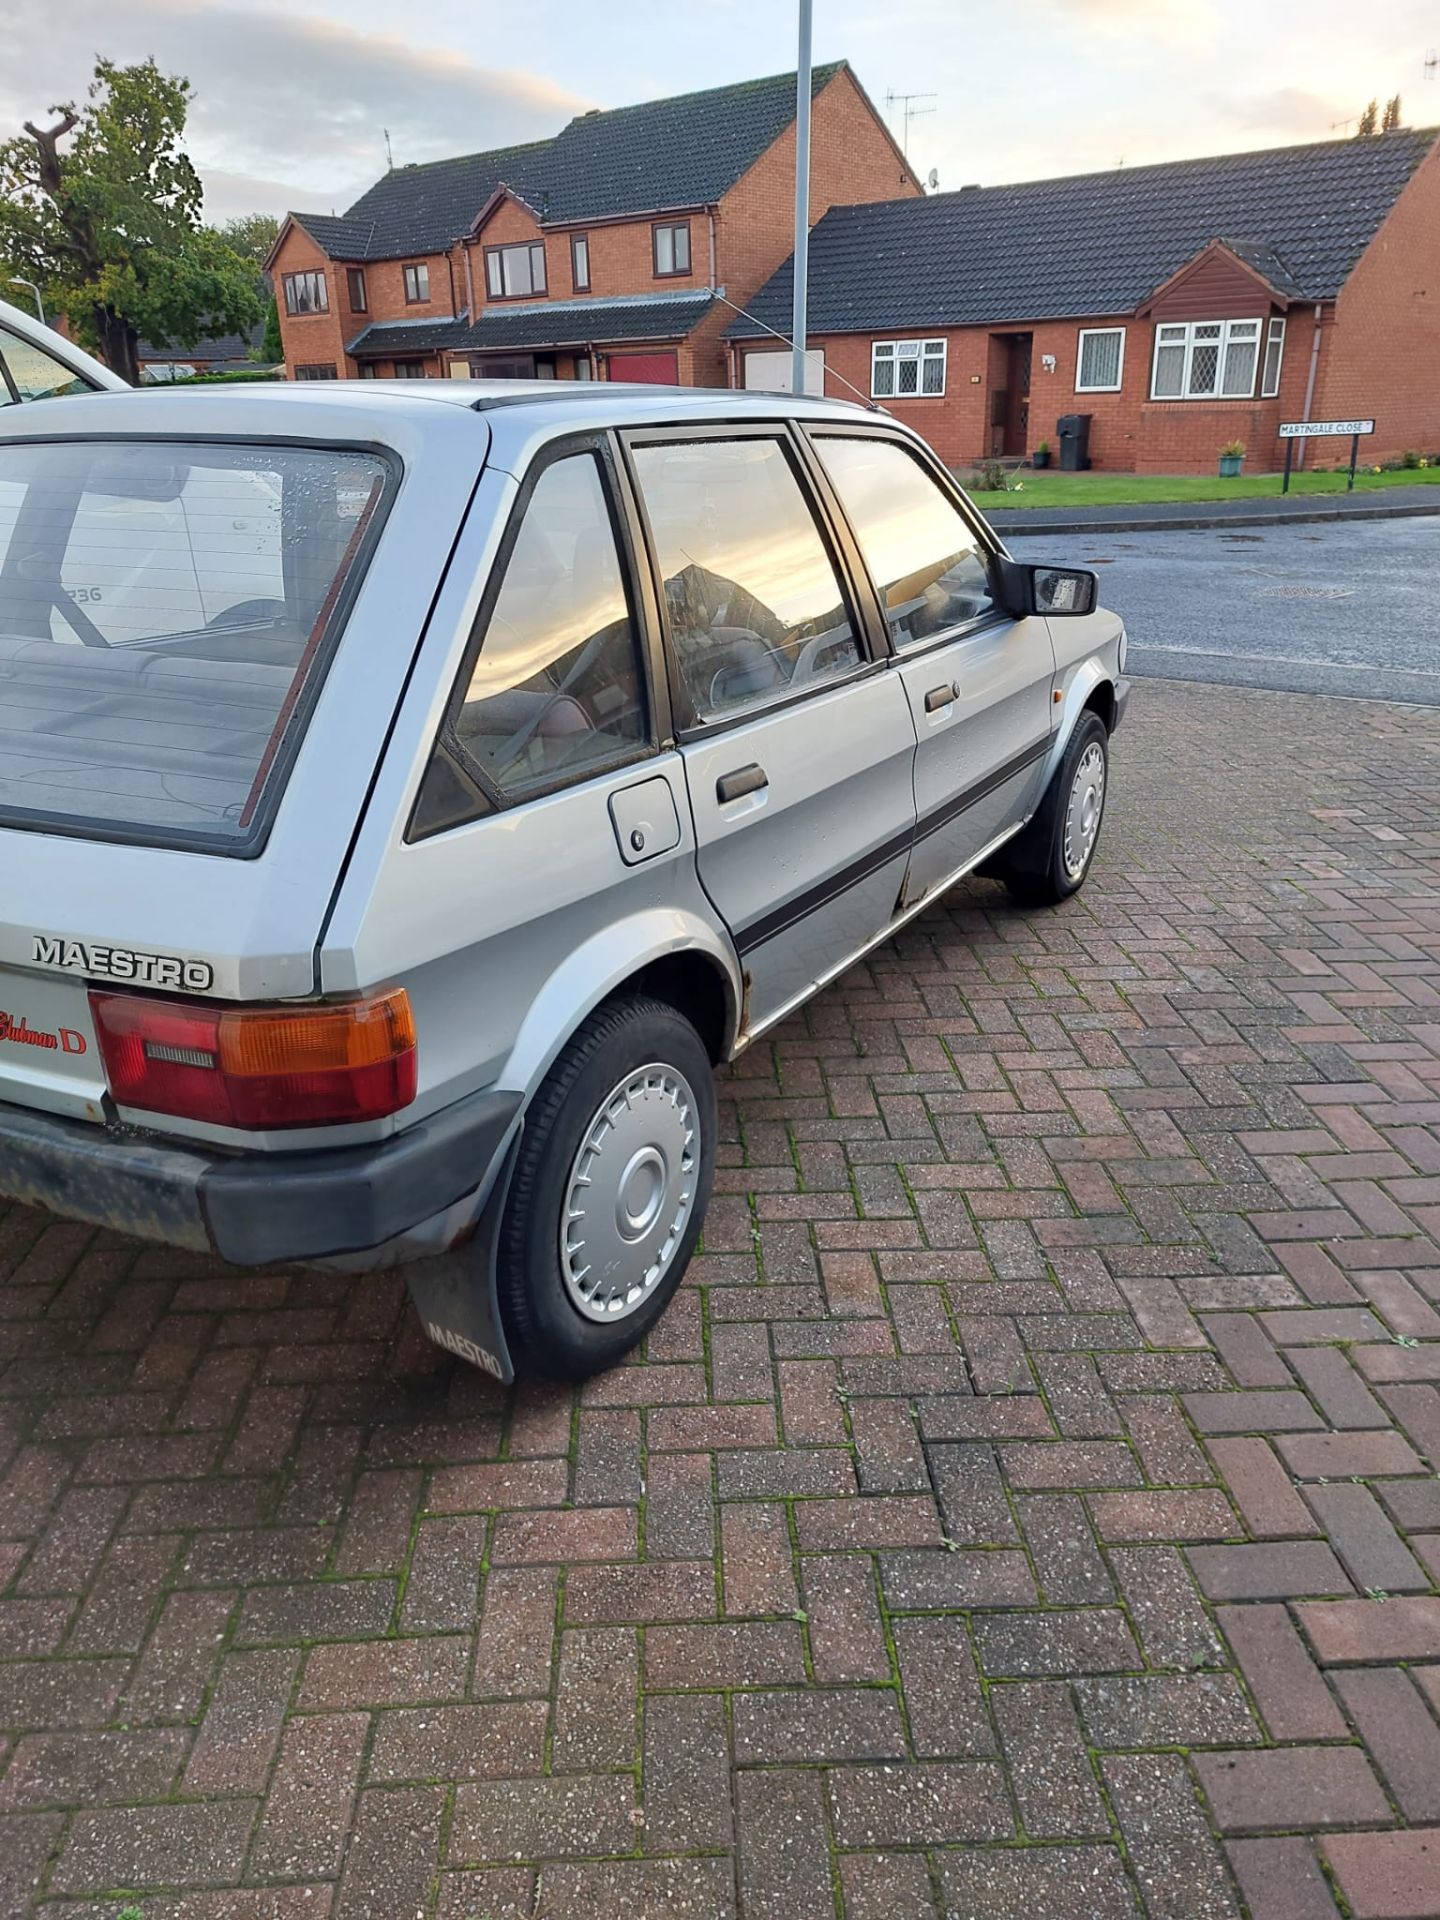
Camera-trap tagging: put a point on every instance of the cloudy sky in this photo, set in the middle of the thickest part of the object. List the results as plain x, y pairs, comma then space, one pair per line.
291, 97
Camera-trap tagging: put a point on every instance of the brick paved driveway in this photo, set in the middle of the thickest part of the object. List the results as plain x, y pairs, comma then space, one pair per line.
1029, 1510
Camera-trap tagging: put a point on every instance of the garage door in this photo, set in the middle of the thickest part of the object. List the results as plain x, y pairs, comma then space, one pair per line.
771, 372
659, 369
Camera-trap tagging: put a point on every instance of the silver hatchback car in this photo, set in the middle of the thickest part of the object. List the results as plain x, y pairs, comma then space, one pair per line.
410, 795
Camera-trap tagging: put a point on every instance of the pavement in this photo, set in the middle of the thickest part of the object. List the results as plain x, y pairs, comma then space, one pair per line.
1344, 609
1392, 503
1027, 1508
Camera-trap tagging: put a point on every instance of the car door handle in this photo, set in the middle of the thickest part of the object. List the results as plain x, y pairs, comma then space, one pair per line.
734, 786
939, 697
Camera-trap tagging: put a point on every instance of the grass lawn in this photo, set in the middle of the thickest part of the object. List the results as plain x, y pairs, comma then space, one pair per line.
1048, 489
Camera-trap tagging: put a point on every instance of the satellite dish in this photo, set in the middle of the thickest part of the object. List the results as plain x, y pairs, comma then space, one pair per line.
934, 180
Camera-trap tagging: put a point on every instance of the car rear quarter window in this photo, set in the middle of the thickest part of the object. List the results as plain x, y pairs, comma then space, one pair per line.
166, 612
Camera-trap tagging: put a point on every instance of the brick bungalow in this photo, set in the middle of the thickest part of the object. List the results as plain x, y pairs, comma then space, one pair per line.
1179, 306
608, 252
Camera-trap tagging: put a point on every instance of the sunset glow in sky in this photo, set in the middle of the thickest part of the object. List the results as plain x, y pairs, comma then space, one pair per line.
290, 99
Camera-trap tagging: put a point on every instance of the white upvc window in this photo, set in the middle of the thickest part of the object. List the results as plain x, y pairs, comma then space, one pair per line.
1100, 360
1274, 352
907, 369
1205, 360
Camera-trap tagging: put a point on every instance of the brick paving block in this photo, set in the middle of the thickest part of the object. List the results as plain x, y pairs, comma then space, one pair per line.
384, 1673
811, 1413
121, 1603
783, 1868
1286, 1685
1359, 1631
918, 1579
1259, 1412
935, 1804
847, 1635
567, 1817
1048, 1767
1180, 1870
1374, 1554
886, 1886
960, 1416
1387, 1876
57, 1694
659, 1590
1312, 1326
580, 1533
499, 1893
1281, 1880
944, 1703
1416, 1410
198, 1845
631, 1889
1068, 1563
595, 1724
1158, 1432
1034, 1883
1262, 1489
1093, 1640
241, 1730
1204, 1514
1070, 1463
1081, 1405
1279, 1571
1165, 1710
1412, 1504
686, 1773
393, 1854
170, 1679
757, 1561
1164, 1607
252, 1556
1336, 1388
513, 1643
481, 1487
1339, 1456
315, 1610
491, 1741
1290, 1787
679, 1506
868, 1522
890, 1456
91, 1769
817, 1726
746, 1653
73, 1541
1403, 1740
307, 1812
779, 1473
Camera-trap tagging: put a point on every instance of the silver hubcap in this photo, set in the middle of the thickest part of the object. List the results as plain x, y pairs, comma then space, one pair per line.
1082, 815
631, 1192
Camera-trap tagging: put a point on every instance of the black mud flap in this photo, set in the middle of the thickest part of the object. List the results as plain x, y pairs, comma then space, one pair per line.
455, 1294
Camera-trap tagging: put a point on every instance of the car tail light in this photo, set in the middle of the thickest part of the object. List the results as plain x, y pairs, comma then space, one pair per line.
258, 1066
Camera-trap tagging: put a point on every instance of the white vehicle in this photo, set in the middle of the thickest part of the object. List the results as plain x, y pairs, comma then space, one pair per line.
36, 363
410, 793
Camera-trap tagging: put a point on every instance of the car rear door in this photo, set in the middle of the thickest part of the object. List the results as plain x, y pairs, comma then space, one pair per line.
978, 683
797, 744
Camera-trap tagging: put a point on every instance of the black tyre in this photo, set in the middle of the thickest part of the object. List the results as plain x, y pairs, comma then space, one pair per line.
610, 1188
1050, 859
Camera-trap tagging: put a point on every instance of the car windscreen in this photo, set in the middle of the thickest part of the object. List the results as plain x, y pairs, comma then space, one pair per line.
167, 610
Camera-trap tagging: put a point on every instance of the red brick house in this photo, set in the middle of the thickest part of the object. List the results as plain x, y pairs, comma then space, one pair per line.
1179, 306
608, 252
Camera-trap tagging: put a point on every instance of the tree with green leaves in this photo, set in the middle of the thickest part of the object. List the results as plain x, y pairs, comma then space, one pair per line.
252, 234
272, 347
1391, 121
1368, 120
102, 208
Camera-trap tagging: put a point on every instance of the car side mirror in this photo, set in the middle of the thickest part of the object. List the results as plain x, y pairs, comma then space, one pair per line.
1056, 592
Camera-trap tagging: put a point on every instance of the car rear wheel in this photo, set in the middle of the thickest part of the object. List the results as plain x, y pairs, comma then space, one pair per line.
609, 1190
1050, 859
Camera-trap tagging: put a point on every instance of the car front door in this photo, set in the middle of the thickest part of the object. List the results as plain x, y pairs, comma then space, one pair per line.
797, 746
978, 682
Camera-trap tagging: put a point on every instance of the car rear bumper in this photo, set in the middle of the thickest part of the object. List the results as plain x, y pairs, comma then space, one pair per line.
351, 1204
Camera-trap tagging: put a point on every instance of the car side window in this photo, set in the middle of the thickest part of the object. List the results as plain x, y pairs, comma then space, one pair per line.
756, 610
36, 375
557, 691
927, 566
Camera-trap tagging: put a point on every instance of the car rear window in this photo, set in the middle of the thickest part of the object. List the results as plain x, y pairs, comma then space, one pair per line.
166, 613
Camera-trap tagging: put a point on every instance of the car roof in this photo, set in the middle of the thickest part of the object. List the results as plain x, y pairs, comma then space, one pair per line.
376, 408
16, 320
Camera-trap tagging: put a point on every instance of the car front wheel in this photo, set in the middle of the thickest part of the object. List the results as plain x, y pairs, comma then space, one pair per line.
1050, 859
609, 1190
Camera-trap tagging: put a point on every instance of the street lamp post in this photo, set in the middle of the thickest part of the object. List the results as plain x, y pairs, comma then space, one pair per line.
16, 281
802, 201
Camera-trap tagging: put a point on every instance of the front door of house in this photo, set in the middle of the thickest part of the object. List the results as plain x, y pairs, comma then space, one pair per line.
1018, 356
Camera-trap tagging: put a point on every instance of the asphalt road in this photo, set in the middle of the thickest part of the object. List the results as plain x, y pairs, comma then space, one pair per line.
1338, 608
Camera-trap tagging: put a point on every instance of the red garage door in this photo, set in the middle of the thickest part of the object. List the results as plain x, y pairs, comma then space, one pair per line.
657, 369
